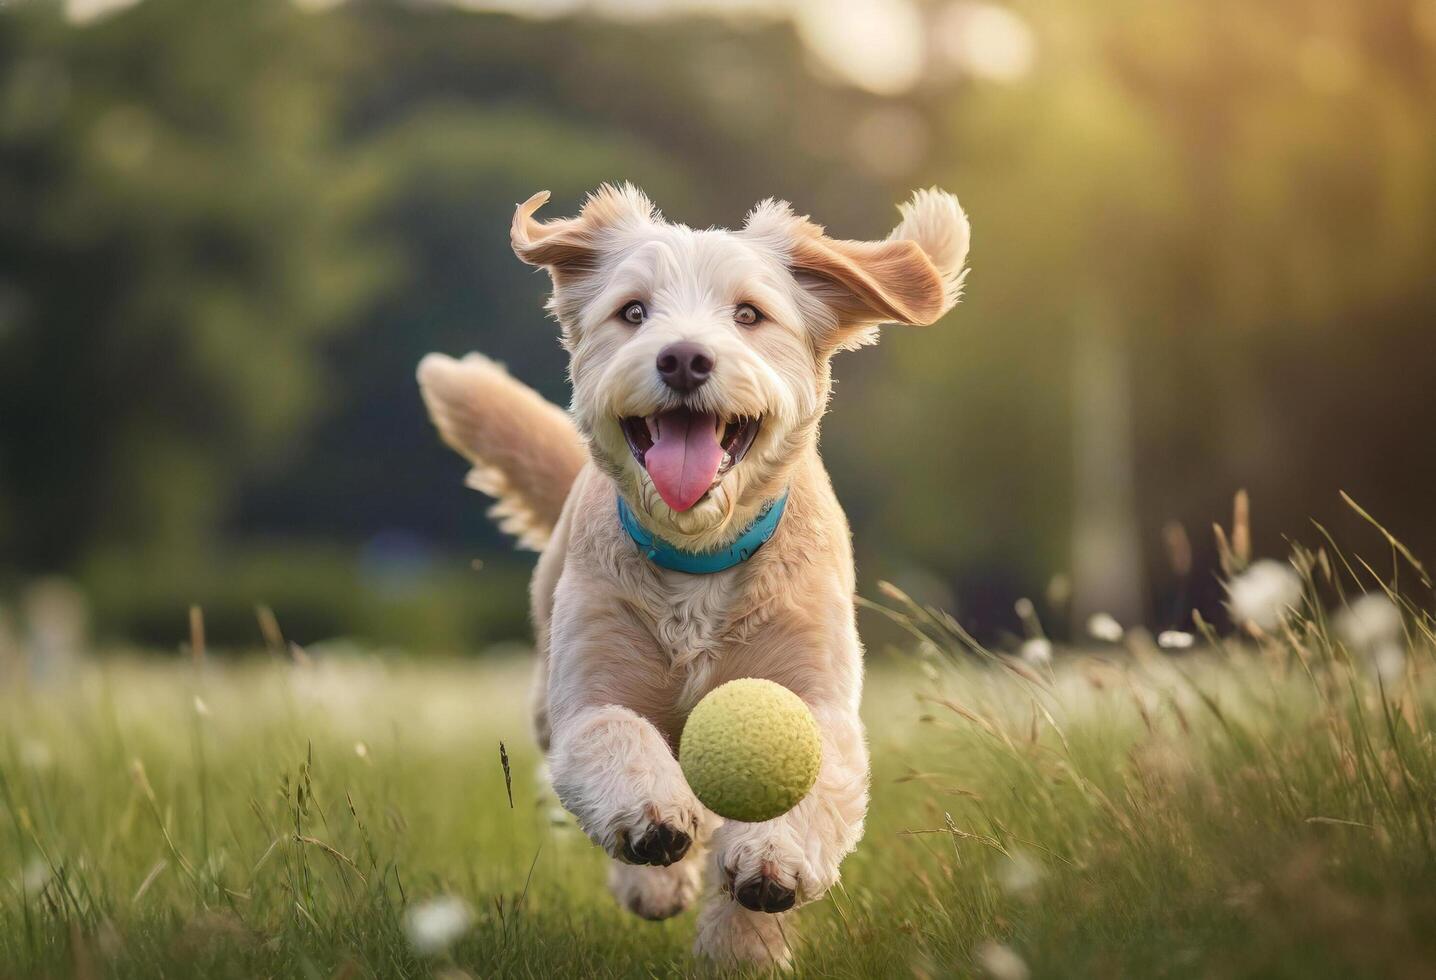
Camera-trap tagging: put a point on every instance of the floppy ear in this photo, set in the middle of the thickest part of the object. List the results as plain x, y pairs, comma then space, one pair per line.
571, 248
913, 277
563, 244
873, 282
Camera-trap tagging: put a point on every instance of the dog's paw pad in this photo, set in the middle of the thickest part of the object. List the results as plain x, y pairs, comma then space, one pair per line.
764, 894
661, 845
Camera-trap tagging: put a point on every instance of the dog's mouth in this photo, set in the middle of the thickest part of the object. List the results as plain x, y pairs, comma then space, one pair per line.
685, 452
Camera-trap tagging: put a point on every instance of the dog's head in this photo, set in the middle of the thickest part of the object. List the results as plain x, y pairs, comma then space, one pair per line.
700, 358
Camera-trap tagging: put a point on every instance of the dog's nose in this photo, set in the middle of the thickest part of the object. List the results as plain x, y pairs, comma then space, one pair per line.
685, 365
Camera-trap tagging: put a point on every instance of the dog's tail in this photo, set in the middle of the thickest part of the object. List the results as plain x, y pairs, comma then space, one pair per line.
525, 450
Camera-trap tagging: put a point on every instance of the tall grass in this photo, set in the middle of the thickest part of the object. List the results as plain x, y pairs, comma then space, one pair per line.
1259, 806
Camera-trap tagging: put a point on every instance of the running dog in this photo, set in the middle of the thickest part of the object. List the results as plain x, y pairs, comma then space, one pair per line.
689, 534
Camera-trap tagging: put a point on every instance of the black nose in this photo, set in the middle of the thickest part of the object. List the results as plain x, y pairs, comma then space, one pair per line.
685, 365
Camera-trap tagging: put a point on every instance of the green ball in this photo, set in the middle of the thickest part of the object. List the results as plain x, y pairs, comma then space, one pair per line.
750, 750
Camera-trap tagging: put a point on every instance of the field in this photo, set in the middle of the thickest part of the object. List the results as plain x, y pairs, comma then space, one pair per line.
1255, 809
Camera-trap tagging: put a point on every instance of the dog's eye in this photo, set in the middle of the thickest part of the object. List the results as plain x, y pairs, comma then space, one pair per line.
634, 312
747, 315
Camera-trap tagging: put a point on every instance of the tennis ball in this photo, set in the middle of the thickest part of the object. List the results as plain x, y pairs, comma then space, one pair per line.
750, 750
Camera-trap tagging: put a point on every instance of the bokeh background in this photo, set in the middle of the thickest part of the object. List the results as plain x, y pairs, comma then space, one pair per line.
1204, 258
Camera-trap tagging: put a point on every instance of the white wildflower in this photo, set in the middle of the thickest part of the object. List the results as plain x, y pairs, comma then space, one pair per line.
435, 925
361, 750
1371, 622
1019, 874
1175, 640
1389, 662
1264, 595
999, 962
1036, 652
1372, 627
1102, 626
200, 708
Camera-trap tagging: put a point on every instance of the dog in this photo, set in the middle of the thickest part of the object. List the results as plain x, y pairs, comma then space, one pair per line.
689, 534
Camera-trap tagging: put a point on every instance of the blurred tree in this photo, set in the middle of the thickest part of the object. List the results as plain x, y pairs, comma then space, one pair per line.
1300, 275
1249, 197
178, 226
229, 231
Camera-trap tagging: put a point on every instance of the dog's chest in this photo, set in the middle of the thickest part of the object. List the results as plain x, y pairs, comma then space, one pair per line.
690, 612
691, 617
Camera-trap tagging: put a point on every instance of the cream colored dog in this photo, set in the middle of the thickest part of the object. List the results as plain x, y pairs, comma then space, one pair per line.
700, 370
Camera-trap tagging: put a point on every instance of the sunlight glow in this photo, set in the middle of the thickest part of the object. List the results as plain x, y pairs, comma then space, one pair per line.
317, 6
876, 44
89, 11
985, 40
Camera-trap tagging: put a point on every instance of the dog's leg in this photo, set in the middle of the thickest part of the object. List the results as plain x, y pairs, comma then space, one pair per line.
541, 589
763, 869
656, 893
615, 773
538, 701
733, 936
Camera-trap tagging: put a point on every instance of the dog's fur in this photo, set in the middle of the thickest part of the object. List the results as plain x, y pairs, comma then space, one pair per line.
625, 648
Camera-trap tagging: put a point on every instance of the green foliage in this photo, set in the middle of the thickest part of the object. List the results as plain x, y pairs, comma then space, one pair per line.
1246, 197
180, 230
315, 594
231, 230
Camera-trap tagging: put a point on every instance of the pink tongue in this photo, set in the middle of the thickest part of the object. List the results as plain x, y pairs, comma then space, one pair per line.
683, 461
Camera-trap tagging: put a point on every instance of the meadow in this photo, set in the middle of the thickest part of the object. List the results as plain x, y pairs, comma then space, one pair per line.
1260, 807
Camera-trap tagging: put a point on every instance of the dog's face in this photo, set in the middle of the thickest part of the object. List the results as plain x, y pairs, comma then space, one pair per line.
700, 358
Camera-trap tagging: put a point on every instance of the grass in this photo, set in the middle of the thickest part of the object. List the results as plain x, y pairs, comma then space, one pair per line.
1257, 809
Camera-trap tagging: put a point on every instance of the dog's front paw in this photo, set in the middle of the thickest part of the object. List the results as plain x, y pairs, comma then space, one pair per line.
648, 834
653, 840
765, 891
613, 771
766, 868
730, 935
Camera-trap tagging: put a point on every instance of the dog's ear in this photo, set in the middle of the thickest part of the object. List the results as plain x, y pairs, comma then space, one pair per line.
912, 277
873, 282
571, 248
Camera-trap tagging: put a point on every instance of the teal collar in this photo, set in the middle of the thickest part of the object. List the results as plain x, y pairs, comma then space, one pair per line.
664, 555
